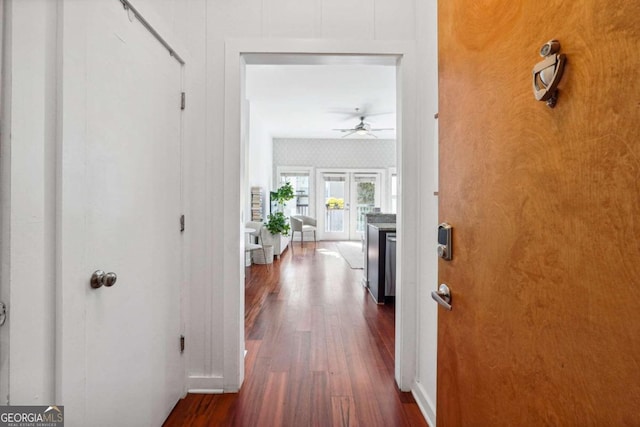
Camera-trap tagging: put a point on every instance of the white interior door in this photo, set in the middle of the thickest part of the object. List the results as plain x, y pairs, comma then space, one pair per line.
333, 206
365, 196
133, 170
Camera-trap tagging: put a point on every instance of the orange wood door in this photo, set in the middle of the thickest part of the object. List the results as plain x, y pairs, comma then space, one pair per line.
545, 205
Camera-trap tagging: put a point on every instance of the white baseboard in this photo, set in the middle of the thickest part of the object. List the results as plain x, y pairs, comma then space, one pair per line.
426, 405
205, 391
206, 385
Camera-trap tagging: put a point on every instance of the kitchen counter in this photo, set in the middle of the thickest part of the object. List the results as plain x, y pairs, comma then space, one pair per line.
384, 226
376, 262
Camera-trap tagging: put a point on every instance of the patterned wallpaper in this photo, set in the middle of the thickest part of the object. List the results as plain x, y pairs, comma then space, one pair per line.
334, 153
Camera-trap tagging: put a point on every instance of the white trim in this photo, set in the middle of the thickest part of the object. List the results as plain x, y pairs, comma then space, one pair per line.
409, 220
403, 54
29, 222
206, 391
426, 405
196, 382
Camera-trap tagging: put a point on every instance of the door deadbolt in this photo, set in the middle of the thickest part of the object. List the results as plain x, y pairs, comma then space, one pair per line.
99, 278
444, 241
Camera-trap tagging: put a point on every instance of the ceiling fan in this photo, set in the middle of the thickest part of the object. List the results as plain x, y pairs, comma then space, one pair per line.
362, 129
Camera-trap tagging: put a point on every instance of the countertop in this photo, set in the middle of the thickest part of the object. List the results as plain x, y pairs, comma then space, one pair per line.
383, 226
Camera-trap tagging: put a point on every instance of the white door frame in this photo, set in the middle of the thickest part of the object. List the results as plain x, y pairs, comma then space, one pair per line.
403, 55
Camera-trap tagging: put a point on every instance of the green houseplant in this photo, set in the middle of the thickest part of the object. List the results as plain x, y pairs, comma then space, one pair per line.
282, 195
277, 222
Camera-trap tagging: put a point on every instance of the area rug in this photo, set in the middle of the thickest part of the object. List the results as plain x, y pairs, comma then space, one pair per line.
352, 253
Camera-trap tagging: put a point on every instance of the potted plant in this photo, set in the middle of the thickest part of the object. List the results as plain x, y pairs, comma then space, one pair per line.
277, 222
282, 195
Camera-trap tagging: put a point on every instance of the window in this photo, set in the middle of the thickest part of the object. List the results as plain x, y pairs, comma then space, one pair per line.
301, 188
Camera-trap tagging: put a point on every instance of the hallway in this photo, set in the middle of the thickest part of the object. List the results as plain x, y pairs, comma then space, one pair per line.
319, 351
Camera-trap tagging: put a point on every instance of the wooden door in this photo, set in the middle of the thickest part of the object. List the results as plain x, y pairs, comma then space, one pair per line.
132, 211
545, 205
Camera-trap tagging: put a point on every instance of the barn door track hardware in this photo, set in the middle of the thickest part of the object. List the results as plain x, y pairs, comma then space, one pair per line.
548, 72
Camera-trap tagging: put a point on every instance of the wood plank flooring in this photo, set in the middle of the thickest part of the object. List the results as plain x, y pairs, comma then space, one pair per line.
319, 352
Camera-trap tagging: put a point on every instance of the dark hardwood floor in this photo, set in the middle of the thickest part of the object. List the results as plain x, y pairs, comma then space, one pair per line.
320, 352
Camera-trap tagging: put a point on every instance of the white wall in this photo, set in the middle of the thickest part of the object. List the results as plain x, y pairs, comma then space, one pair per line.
29, 189
334, 153
260, 160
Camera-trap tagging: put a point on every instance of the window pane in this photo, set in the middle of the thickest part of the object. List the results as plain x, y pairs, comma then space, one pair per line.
300, 183
365, 198
334, 191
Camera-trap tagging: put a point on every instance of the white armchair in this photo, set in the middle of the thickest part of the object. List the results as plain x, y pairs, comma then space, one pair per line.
252, 245
303, 224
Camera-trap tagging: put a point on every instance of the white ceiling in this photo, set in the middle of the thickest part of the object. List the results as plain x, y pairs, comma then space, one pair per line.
308, 101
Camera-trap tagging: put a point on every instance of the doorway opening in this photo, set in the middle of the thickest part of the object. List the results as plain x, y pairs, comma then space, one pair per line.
238, 54
337, 188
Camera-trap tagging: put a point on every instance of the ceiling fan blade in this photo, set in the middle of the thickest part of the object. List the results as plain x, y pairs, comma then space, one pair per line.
378, 113
350, 133
380, 129
375, 136
343, 130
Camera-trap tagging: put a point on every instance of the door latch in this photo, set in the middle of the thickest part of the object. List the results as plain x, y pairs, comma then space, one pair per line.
442, 296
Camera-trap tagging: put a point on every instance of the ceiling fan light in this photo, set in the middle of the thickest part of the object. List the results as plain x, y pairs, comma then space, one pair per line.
362, 132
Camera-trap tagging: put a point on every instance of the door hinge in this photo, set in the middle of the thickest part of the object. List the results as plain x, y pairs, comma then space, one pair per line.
183, 100
181, 343
181, 223
3, 313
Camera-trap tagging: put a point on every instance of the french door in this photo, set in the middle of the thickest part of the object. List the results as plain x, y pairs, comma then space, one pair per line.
343, 200
365, 191
334, 215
